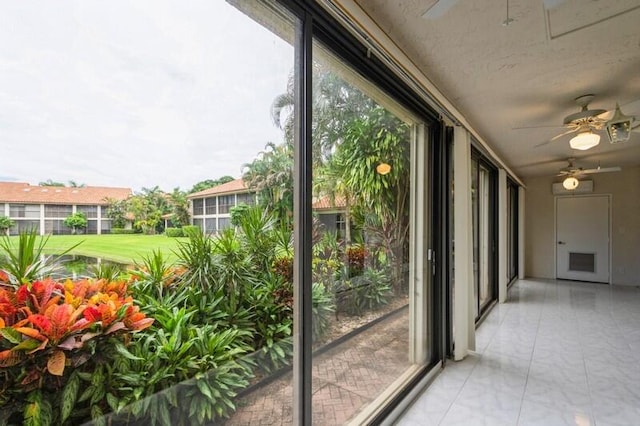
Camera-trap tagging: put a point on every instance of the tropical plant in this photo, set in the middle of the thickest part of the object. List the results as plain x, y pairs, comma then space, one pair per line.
50, 333
117, 212
148, 206
181, 373
26, 261
154, 275
322, 310
271, 176
76, 221
383, 200
105, 271
5, 224
365, 292
179, 206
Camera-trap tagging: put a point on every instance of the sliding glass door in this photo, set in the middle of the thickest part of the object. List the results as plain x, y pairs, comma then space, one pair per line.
512, 231
483, 188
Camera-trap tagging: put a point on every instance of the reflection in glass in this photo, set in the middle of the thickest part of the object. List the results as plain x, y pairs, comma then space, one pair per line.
362, 194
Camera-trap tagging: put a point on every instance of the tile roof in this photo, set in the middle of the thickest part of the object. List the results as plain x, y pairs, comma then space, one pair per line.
236, 186
325, 203
20, 192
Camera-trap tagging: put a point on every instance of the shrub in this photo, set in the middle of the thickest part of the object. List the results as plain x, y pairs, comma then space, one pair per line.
174, 232
283, 267
191, 231
322, 309
26, 261
51, 334
123, 231
181, 372
355, 259
366, 292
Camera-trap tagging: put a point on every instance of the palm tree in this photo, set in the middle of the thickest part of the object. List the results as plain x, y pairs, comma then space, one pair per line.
271, 175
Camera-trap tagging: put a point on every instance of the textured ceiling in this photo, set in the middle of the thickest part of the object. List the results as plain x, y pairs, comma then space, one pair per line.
503, 78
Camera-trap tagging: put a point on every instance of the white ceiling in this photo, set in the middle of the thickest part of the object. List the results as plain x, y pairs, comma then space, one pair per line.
527, 73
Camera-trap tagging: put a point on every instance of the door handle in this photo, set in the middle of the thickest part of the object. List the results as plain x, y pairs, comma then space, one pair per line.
561, 242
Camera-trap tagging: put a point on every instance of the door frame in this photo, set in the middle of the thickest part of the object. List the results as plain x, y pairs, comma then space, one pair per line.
555, 230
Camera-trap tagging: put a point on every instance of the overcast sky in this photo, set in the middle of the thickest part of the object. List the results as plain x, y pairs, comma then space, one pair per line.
134, 93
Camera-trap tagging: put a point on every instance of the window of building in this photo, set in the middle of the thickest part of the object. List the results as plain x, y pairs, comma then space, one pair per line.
210, 204
247, 198
224, 223
90, 212
18, 211
198, 206
210, 226
225, 202
56, 210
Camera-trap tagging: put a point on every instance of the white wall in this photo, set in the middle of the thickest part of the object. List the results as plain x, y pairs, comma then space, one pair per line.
624, 187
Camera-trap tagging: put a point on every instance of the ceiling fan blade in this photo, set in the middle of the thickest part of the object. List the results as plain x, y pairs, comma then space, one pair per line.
555, 138
536, 127
602, 170
438, 9
561, 135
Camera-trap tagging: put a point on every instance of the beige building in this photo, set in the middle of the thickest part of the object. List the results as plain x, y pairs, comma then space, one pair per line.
44, 208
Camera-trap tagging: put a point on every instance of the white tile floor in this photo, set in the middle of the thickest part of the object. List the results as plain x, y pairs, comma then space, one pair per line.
557, 353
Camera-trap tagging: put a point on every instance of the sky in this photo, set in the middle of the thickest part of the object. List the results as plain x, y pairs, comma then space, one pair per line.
135, 93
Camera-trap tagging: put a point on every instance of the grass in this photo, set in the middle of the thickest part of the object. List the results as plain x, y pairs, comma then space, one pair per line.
117, 248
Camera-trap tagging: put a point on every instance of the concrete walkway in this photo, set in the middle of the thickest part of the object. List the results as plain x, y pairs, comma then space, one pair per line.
345, 379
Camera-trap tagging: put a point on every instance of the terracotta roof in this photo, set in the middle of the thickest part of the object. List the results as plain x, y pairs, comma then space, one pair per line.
20, 192
236, 186
325, 203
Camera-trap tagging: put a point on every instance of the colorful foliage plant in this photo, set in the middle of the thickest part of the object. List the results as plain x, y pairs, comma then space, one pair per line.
48, 328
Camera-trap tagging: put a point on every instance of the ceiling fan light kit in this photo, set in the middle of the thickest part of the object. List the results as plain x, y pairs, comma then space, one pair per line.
570, 183
584, 140
619, 127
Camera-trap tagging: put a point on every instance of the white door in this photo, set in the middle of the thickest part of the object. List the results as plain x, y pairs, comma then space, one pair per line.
582, 238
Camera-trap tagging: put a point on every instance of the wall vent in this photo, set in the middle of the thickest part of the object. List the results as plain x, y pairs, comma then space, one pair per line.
582, 262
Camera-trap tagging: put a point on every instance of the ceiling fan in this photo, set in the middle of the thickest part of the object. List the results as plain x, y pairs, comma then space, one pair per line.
588, 122
572, 170
571, 173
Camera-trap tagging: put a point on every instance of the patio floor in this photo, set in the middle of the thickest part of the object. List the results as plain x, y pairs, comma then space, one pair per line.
346, 378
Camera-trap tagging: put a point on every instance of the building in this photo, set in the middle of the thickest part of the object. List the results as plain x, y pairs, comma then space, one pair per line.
331, 214
44, 208
211, 208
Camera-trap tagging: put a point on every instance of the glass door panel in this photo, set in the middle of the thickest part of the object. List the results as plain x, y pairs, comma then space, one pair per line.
369, 296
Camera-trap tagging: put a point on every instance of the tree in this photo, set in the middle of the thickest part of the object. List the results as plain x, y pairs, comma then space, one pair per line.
382, 200
117, 212
147, 208
5, 224
210, 183
50, 182
271, 175
76, 222
179, 207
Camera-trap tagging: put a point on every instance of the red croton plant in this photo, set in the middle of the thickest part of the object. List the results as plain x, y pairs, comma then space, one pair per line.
48, 326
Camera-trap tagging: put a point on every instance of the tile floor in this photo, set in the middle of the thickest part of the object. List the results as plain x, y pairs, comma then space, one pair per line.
557, 353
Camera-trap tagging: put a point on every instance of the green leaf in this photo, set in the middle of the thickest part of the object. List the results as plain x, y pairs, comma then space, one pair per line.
204, 388
112, 401
69, 396
125, 353
11, 335
88, 392
27, 345
98, 416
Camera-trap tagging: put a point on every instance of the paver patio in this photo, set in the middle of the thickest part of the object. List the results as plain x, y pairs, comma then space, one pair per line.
345, 379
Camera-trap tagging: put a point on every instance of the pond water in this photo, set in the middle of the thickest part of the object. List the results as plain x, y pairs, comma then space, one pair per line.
76, 266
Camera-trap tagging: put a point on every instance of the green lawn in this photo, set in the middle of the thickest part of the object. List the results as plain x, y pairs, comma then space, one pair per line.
118, 248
